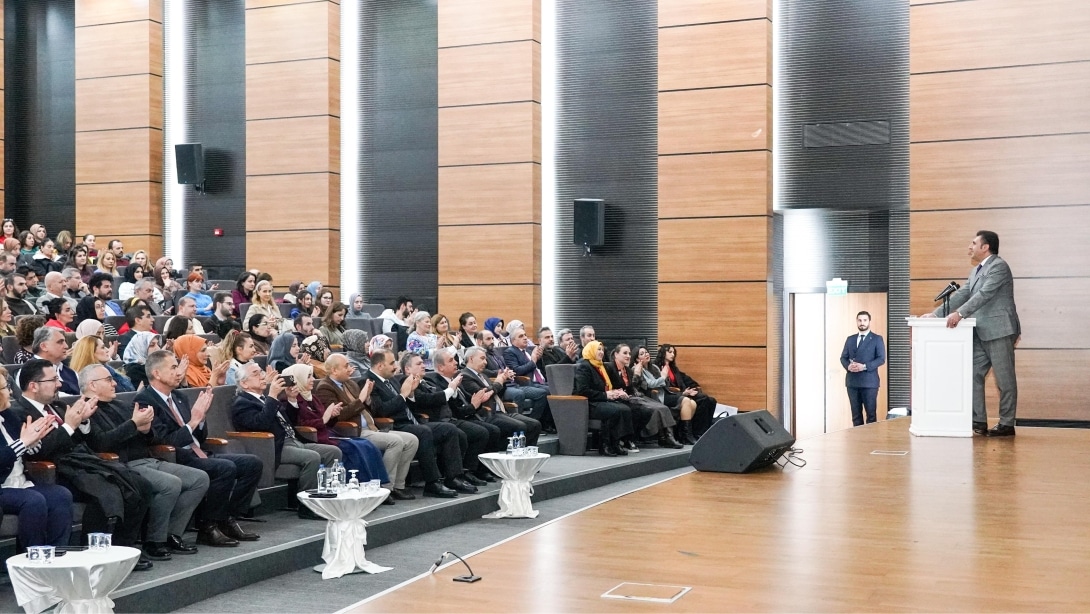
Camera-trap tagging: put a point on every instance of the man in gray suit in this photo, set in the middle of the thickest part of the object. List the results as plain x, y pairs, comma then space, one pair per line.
988, 296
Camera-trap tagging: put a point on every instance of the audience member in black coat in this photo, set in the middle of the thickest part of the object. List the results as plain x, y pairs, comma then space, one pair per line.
666, 361
592, 382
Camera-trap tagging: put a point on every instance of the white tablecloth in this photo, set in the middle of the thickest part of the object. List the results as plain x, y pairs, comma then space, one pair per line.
80, 581
515, 490
346, 531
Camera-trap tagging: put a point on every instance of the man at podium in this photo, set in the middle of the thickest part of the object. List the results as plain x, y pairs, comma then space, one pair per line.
988, 296
863, 353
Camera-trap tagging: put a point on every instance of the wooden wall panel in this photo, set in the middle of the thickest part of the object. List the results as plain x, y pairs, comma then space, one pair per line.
475, 22
109, 50
1019, 101
484, 74
714, 249
490, 134
1051, 385
713, 314
273, 199
265, 251
512, 302
702, 121
508, 192
109, 103
734, 376
273, 92
115, 11
119, 156
1038, 242
293, 145
693, 57
1025, 172
1046, 309
979, 34
292, 32
686, 12
500, 252
141, 201
703, 185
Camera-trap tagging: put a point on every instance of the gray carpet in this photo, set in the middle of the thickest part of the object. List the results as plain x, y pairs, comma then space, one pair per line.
304, 591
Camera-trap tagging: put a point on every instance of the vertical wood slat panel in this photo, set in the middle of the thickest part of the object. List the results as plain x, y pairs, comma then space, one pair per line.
480, 65
295, 139
702, 191
119, 108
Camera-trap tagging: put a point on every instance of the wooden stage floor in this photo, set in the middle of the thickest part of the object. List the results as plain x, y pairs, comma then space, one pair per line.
955, 525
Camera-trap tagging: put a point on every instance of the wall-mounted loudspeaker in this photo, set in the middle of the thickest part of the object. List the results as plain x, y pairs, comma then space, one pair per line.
589, 222
190, 159
741, 443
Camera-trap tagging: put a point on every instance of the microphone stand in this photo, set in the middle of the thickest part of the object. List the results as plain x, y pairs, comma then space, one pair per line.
469, 579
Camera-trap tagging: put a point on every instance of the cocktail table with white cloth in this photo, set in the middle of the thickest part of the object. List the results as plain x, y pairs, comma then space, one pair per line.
346, 531
78, 582
515, 490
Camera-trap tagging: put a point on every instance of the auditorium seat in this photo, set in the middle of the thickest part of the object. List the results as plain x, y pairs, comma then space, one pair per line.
10, 349
373, 309
571, 413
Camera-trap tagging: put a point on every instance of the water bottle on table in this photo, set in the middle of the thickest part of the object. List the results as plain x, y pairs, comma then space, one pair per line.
323, 479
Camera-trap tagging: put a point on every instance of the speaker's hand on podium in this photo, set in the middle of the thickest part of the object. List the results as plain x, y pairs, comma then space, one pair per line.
953, 319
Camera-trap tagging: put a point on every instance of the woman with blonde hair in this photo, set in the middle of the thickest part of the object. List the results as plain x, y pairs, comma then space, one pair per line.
107, 263
92, 350
237, 349
422, 340
262, 303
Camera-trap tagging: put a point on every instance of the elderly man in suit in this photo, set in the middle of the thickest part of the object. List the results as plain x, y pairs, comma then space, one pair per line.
523, 361
232, 478
493, 410
988, 296
863, 353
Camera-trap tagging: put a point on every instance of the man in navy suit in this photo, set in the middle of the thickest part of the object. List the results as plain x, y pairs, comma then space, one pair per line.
520, 359
863, 354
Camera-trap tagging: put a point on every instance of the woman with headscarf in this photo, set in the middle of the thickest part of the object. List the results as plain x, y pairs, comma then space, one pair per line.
592, 382
284, 352
355, 307
316, 347
92, 350
133, 273
92, 308
197, 373
379, 342
136, 354
356, 453
314, 288
666, 361
355, 349
496, 326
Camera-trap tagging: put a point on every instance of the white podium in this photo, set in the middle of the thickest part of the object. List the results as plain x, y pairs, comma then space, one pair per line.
942, 378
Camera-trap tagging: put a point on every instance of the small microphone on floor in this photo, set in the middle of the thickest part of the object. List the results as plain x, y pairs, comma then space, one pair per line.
471, 578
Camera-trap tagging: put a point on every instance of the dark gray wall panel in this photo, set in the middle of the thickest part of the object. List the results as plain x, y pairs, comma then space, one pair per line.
216, 115
607, 147
40, 113
399, 158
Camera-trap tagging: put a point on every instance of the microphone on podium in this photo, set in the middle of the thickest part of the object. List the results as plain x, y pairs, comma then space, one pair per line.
947, 291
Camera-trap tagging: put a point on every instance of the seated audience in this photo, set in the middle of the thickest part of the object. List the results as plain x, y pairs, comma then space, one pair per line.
45, 260
64, 241
379, 342
422, 341
28, 245
284, 352
666, 361
133, 273
648, 415
261, 331
50, 344
223, 321
145, 292
263, 304
652, 384
117, 248
7, 320
187, 308
139, 320
165, 281
136, 354
398, 448
356, 452
107, 263
493, 411
398, 317
333, 326
467, 323
324, 301
238, 349
244, 291
44, 510
496, 327
54, 288
586, 335
78, 259
355, 349
178, 326
9, 231
253, 410
292, 295
355, 307
520, 359
101, 286
176, 490
141, 257
232, 478
305, 306
91, 307
461, 411
92, 350
195, 350
24, 336
17, 294
74, 287
444, 337
564, 353
34, 290
195, 286
592, 382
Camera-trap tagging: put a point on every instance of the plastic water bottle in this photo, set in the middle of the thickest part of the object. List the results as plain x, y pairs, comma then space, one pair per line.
342, 475
323, 479
522, 440
510, 445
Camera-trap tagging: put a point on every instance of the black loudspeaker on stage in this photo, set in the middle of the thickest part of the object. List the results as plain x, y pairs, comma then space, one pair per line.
741, 443
589, 222
190, 157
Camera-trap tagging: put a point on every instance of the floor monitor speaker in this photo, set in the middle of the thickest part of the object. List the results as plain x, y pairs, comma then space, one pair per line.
741, 443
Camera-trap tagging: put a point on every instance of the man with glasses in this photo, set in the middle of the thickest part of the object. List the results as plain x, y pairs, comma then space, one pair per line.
50, 344
177, 490
116, 496
222, 320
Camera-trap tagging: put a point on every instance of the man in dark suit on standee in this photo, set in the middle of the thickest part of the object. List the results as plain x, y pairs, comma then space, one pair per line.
988, 296
390, 400
232, 478
863, 353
